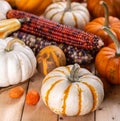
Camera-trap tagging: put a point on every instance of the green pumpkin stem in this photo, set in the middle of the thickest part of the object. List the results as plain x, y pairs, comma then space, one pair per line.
114, 38
68, 5
74, 74
106, 11
22, 20
10, 44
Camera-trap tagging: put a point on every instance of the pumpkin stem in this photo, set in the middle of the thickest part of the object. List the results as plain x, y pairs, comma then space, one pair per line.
106, 11
22, 20
114, 38
68, 5
9, 46
74, 74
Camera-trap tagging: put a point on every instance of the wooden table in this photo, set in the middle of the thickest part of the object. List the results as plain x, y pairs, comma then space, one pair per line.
18, 110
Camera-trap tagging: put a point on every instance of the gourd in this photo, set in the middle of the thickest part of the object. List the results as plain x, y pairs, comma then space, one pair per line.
72, 14
72, 91
95, 26
49, 58
8, 26
96, 9
107, 61
33, 6
17, 62
4, 8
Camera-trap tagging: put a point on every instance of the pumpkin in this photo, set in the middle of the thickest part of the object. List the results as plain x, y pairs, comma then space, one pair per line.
65, 0
95, 26
96, 9
72, 14
4, 8
49, 58
17, 62
33, 6
77, 0
107, 61
72, 91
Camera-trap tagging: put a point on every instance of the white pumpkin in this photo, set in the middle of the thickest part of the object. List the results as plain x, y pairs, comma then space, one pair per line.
4, 8
72, 91
72, 14
17, 62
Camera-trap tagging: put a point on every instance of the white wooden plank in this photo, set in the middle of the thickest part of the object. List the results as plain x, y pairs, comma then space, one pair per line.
37, 112
110, 108
11, 109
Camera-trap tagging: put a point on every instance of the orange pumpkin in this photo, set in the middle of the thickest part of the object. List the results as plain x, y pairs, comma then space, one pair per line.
71, 0
77, 1
49, 58
107, 61
96, 9
95, 26
33, 6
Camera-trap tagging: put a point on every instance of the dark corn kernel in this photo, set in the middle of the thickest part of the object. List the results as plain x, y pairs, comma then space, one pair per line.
73, 54
50, 30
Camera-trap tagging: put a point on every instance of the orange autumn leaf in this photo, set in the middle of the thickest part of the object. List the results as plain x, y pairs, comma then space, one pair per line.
16, 92
32, 97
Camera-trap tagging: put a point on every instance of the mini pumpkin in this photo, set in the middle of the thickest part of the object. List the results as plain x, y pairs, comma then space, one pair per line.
49, 58
17, 62
107, 61
95, 26
33, 6
96, 9
72, 14
4, 8
72, 91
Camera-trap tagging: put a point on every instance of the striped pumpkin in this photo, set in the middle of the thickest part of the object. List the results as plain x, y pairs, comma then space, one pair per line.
72, 91
72, 14
49, 58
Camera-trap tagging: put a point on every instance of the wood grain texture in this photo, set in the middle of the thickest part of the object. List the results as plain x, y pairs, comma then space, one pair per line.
37, 112
11, 109
110, 108
18, 110
88, 117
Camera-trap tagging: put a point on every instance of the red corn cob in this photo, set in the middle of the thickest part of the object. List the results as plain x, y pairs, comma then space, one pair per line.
57, 32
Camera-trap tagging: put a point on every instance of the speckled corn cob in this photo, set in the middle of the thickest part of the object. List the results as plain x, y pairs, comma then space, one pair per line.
41, 27
73, 54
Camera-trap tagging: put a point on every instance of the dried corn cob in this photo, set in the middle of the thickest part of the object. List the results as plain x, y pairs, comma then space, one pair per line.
57, 32
73, 54
8, 26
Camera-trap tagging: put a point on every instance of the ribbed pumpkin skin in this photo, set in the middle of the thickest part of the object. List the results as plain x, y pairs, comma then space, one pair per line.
71, 99
71, 0
49, 58
96, 10
17, 65
95, 27
78, 15
33, 6
108, 64
4, 8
